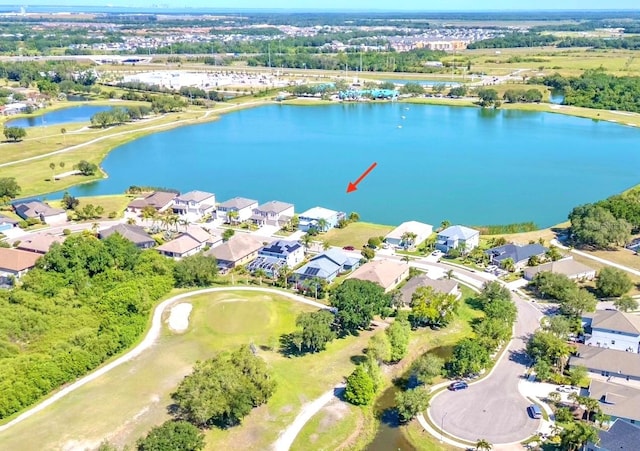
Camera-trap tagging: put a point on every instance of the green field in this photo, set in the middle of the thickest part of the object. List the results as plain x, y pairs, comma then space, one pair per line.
116, 203
355, 234
125, 403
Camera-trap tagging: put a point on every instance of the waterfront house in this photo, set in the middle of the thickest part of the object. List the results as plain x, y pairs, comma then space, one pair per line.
621, 436
520, 255
611, 363
34, 209
327, 266
277, 255
397, 236
386, 273
39, 243
7, 223
612, 329
445, 286
239, 250
567, 266
15, 263
457, 236
240, 205
321, 219
273, 213
194, 205
620, 401
192, 241
134, 233
160, 201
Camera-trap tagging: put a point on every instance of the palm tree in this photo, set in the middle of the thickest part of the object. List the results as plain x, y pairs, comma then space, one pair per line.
449, 274
260, 274
61, 164
325, 245
554, 396
306, 241
509, 265
573, 396
483, 444
64, 132
94, 227
405, 258
444, 224
354, 217
232, 216
408, 239
323, 225
52, 166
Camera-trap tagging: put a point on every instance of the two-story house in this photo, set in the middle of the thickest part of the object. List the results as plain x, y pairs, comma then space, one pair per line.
409, 234
194, 205
612, 329
457, 236
236, 210
273, 213
277, 255
319, 218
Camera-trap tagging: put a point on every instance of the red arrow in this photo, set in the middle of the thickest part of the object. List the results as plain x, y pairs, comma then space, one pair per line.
352, 186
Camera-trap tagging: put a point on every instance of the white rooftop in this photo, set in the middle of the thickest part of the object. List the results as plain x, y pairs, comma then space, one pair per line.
419, 228
318, 213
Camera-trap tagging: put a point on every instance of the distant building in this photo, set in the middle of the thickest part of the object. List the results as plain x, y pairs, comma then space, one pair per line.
567, 266
7, 223
273, 213
618, 400
240, 205
194, 205
520, 255
445, 286
327, 266
621, 436
39, 243
239, 250
611, 363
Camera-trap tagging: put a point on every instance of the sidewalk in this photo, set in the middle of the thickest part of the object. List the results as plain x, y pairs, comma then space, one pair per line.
597, 259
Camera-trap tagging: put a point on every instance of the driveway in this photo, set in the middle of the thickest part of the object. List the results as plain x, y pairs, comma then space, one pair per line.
493, 408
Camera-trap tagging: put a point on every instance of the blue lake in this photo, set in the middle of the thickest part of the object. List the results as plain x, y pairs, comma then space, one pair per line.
466, 165
78, 113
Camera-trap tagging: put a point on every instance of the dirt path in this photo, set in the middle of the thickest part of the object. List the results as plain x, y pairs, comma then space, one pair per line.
148, 341
127, 132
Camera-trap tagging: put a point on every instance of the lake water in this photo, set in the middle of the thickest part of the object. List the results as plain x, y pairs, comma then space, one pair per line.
72, 114
466, 165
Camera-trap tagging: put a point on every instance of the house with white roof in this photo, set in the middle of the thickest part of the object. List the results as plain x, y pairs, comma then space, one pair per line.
319, 218
398, 237
612, 329
456, 236
240, 205
194, 205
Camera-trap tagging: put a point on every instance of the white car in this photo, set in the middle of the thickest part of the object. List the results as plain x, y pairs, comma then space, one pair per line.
436, 253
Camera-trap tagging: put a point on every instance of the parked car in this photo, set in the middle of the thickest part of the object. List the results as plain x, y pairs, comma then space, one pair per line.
534, 411
349, 248
458, 385
436, 253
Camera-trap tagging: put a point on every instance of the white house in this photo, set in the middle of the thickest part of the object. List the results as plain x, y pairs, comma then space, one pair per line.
456, 236
396, 236
244, 207
319, 218
613, 329
273, 213
194, 205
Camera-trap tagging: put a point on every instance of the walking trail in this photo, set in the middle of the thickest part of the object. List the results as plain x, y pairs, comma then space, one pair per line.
152, 127
148, 341
598, 259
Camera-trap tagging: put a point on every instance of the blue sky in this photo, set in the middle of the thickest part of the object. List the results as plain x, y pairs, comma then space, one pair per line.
424, 5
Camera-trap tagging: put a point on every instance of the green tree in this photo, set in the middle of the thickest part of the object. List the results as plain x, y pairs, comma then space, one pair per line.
172, 436
543, 370
563, 414
553, 253
426, 367
15, 134
398, 333
596, 226
223, 390
411, 402
69, 202
360, 387
508, 265
227, 234
558, 325
577, 374
458, 91
483, 445
468, 357
232, 216
196, 271
576, 434
548, 347
374, 242
429, 307
358, 301
577, 302
368, 253
63, 131
626, 303
86, 168
488, 96
9, 187
379, 348
317, 329
613, 282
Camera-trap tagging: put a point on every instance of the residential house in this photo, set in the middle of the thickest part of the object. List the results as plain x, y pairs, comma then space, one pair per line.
39, 243
445, 286
520, 255
273, 213
239, 250
194, 205
612, 329
607, 362
567, 266
192, 241
396, 236
386, 273
240, 205
133, 233
327, 266
456, 237
160, 201
34, 209
277, 255
619, 401
319, 218
621, 436
7, 223
15, 263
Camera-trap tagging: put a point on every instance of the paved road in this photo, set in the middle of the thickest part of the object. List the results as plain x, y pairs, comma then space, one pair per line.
493, 408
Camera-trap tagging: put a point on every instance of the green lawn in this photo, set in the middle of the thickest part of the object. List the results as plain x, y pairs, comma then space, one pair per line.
114, 203
125, 403
355, 234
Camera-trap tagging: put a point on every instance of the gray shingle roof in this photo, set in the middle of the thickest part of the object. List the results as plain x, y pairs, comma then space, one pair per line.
615, 320
133, 233
238, 203
604, 359
516, 253
438, 285
194, 196
274, 206
616, 399
621, 436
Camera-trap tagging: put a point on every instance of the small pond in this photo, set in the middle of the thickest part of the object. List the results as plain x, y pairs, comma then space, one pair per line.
73, 114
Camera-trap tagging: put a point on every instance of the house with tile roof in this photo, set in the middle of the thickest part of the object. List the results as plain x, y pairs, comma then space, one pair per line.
457, 236
444, 286
194, 205
160, 201
568, 266
240, 205
520, 255
190, 242
607, 362
396, 237
34, 209
14, 264
134, 233
39, 242
386, 273
273, 213
327, 266
239, 250
612, 329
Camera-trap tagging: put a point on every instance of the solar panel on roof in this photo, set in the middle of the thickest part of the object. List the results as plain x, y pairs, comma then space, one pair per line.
312, 271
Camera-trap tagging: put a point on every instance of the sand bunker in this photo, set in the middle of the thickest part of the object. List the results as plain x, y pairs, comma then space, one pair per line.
179, 317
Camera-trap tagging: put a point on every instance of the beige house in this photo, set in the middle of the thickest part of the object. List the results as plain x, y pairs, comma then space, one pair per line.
239, 250
567, 266
192, 241
39, 242
15, 263
158, 200
386, 273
